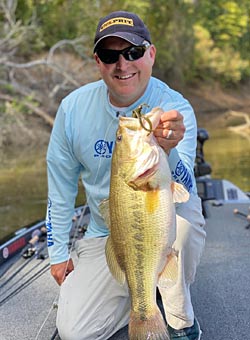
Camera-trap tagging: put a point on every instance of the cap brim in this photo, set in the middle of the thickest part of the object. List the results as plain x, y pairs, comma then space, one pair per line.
134, 39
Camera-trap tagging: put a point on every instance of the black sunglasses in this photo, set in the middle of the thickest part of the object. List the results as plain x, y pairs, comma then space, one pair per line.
130, 53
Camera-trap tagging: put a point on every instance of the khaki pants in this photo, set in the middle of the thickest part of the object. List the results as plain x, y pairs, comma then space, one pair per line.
92, 305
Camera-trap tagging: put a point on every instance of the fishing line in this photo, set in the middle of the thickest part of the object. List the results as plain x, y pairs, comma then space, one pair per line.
100, 160
10, 266
20, 279
54, 302
25, 284
22, 266
44, 322
76, 230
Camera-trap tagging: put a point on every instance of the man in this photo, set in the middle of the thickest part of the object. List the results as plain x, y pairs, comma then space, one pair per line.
92, 304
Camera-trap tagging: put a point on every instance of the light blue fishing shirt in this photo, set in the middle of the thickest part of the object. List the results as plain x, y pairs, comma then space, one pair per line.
81, 144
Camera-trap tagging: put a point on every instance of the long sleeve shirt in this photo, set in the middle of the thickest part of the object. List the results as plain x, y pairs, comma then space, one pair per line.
81, 145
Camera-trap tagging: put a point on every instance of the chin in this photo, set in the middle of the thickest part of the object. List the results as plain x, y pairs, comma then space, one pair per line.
126, 99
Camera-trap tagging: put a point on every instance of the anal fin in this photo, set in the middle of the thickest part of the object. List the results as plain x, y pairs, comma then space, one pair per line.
168, 277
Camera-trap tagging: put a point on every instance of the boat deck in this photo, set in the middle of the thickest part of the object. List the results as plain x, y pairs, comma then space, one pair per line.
221, 292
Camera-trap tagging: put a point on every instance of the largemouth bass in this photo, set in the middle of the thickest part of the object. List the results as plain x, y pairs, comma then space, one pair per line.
142, 223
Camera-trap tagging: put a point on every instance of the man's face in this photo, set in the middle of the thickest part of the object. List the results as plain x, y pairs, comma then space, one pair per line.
126, 80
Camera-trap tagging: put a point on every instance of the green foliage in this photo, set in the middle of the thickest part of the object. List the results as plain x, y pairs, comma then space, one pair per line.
17, 33
66, 19
17, 107
7, 88
226, 29
227, 21
213, 62
208, 39
24, 10
171, 26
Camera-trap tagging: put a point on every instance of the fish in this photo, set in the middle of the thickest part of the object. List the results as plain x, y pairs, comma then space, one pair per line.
140, 213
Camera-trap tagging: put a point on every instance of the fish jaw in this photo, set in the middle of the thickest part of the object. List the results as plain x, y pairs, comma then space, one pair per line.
153, 173
145, 171
138, 153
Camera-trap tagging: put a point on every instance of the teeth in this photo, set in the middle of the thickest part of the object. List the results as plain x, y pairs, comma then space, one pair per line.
125, 77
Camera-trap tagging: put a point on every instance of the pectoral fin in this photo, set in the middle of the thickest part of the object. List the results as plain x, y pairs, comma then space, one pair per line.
114, 267
180, 193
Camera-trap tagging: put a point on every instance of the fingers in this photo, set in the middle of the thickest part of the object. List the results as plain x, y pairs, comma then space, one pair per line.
172, 117
60, 270
171, 126
168, 144
170, 130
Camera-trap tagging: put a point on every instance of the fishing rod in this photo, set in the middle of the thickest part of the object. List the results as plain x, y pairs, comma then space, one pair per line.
29, 250
25, 284
36, 275
7, 268
20, 279
22, 266
78, 227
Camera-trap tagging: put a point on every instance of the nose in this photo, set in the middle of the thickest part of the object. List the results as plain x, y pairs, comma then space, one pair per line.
121, 63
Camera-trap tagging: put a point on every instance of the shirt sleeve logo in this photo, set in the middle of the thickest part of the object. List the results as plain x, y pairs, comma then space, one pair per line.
50, 241
182, 175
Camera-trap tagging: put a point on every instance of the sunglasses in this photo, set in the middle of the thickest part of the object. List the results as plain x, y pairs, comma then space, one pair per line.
130, 53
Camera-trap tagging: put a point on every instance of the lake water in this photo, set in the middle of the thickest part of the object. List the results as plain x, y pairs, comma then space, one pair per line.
229, 155
23, 182
23, 190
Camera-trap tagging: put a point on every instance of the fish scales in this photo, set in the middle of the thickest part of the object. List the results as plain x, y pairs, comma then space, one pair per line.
136, 242
142, 223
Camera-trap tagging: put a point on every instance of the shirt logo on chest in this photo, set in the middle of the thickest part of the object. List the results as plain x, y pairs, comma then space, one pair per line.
103, 148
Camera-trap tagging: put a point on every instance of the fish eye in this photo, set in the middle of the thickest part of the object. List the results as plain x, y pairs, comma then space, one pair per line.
119, 138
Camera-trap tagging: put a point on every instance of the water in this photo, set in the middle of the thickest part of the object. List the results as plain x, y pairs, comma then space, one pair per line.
229, 155
23, 189
23, 182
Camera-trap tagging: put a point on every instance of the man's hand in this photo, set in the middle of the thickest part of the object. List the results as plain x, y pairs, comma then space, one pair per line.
170, 130
60, 270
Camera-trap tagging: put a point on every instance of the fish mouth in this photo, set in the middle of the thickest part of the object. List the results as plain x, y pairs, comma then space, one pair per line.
149, 172
145, 174
145, 181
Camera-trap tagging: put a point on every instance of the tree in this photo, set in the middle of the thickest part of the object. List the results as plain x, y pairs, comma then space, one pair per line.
227, 23
38, 83
171, 25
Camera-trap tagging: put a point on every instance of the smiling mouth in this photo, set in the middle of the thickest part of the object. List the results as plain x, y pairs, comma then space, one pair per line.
125, 77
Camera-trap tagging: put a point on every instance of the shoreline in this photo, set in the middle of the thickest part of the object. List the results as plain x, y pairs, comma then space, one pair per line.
212, 106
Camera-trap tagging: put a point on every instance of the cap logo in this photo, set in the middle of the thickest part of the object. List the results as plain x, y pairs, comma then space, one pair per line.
117, 21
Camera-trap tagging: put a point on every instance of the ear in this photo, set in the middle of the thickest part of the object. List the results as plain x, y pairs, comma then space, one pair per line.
97, 59
152, 53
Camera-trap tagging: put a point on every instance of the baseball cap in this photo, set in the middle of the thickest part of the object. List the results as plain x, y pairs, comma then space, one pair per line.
121, 24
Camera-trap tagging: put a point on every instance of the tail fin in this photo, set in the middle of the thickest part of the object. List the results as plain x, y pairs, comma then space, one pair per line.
148, 328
